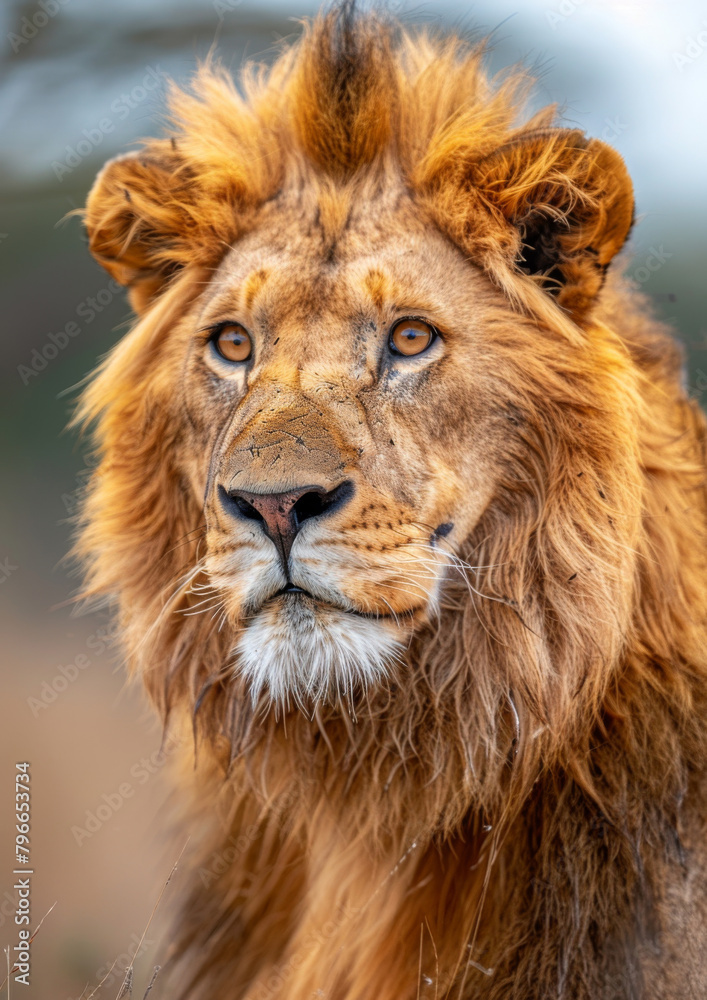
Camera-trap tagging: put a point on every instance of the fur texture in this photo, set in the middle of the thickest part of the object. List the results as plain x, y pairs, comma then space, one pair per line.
470, 762
294, 653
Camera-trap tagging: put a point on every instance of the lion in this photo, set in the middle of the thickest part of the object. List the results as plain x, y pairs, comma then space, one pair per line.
400, 500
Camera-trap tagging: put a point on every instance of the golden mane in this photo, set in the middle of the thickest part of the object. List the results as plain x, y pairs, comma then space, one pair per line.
352, 99
548, 726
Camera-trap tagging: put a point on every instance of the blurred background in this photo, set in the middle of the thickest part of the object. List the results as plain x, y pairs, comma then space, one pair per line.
80, 81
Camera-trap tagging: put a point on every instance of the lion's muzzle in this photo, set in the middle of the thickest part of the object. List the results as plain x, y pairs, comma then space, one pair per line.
281, 515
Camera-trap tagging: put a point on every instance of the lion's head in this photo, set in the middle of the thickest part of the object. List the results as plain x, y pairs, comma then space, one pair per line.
402, 504
374, 439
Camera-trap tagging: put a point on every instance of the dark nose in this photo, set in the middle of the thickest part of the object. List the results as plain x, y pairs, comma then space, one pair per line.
283, 514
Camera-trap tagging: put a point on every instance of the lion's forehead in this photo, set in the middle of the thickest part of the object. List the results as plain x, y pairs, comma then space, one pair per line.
314, 282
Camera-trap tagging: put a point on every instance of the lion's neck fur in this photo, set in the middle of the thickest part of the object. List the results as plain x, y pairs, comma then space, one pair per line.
315, 892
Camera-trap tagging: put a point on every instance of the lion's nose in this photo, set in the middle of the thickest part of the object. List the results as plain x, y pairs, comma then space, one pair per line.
283, 514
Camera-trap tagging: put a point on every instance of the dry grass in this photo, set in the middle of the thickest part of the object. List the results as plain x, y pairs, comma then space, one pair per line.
126, 987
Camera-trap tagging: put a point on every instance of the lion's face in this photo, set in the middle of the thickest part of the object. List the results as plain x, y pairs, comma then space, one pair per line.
337, 472
366, 363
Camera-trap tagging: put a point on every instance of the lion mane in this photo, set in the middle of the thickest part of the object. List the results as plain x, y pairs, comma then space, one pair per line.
513, 807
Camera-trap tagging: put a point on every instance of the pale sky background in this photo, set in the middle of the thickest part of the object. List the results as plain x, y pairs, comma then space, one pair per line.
624, 69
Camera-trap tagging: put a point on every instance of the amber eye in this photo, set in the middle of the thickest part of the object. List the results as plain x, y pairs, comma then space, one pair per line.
232, 341
411, 336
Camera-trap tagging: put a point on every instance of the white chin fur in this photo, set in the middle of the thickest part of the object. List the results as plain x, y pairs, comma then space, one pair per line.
296, 648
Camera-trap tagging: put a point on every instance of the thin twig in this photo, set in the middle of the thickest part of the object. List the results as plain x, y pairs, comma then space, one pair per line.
126, 990
36, 930
94, 991
9, 973
152, 981
128, 980
15, 968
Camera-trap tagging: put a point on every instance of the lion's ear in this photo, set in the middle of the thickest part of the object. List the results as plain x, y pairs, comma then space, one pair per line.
562, 204
139, 214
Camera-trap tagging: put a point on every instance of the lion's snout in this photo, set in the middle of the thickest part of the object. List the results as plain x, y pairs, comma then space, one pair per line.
282, 514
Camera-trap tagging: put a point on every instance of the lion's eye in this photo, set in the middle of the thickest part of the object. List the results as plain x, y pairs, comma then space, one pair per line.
232, 341
411, 336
